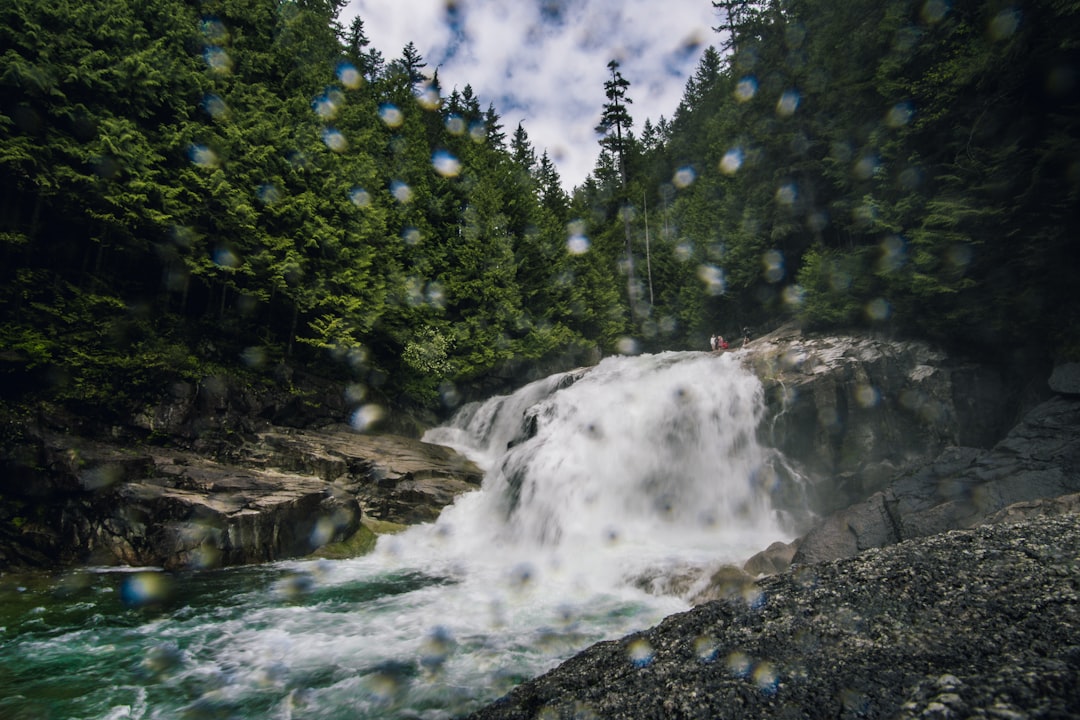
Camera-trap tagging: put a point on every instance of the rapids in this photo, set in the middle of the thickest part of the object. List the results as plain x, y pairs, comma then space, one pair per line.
600, 485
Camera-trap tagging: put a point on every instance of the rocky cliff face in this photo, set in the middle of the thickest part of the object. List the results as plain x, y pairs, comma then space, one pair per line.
850, 413
1036, 467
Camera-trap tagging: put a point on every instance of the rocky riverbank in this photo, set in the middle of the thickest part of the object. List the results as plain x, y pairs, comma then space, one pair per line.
970, 623
277, 492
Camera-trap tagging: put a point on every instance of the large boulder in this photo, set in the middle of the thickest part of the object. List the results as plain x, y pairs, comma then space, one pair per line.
973, 623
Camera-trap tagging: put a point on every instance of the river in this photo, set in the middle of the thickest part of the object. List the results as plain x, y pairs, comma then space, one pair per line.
606, 495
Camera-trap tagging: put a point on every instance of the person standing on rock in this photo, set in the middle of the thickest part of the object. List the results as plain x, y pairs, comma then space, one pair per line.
712, 343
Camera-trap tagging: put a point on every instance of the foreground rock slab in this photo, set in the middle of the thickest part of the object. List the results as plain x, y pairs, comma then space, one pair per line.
970, 623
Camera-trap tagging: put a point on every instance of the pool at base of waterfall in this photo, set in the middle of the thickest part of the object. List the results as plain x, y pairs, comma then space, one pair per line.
319, 639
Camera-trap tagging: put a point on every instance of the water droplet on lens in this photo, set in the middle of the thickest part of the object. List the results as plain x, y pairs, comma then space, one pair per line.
640, 652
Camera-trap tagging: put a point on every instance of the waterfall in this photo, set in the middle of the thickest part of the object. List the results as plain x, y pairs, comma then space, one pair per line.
609, 472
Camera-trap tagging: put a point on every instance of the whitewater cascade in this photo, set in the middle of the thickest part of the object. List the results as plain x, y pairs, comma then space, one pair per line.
639, 460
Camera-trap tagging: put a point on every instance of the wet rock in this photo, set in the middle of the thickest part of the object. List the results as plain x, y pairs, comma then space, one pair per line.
1039, 460
774, 559
1065, 379
279, 493
971, 623
850, 413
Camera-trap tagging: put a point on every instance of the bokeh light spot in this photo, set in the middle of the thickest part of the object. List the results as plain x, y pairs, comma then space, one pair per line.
628, 346
684, 177
100, 476
202, 156
745, 89
839, 281
334, 140
959, 256
478, 132
878, 309
429, 97
732, 161
436, 648
899, 115
794, 295
640, 652
254, 356
738, 663
268, 194
214, 31
365, 417
326, 106
867, 396
934, 11
773, 263
401, 191
391, 115
455, 125
866, 166
713, 279
445, 164
223, 256
215, 107
893, 254
1004, 24
360, 197
787, 194
706, 648
787, 104
576, 241
355, 393
218, 60
145, 588
766, 678
349, 76
1061, 80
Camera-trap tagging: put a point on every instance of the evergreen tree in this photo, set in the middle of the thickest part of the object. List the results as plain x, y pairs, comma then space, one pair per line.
614, 128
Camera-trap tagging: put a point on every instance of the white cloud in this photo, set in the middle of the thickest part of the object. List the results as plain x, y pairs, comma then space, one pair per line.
544, 62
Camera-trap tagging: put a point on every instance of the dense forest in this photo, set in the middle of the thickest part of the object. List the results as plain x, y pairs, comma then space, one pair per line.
238, 186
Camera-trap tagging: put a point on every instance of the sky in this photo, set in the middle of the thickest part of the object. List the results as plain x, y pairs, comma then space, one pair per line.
544, 62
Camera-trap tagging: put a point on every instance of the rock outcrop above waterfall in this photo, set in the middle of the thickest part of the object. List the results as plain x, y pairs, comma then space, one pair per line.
278, 493
972, 623
892, 440
853, 412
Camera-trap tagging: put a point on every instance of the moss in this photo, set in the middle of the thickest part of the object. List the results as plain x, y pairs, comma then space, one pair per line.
382, 527
359, 543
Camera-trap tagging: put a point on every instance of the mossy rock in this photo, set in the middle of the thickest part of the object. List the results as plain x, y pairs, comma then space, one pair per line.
359, 543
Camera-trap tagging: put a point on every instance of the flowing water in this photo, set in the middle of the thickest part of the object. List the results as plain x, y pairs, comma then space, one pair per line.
601, 488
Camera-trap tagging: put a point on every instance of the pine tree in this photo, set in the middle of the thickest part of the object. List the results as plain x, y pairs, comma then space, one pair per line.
614, 127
